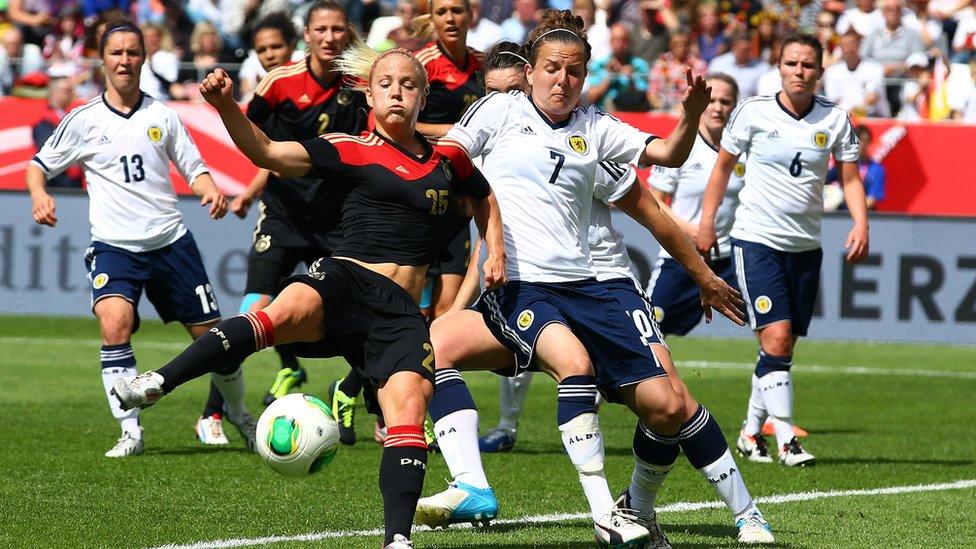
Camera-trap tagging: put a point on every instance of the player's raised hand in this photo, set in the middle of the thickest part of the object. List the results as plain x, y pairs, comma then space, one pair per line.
217, 201
857, 244
495, 274
706, 242
697, 95
217, 88
43, 209
716, 294
241, 204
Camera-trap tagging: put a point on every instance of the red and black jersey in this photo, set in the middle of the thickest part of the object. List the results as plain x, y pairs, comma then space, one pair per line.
292, 104
400, 208
453, 87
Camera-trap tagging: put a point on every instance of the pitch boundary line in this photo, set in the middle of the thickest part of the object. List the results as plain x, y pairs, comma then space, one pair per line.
679, 507
682, 364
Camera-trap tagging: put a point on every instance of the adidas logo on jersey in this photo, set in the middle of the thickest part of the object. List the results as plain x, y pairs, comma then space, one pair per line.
695, 166
304, 98
401, 169
774, 135
104, 140
450, 78
526, 130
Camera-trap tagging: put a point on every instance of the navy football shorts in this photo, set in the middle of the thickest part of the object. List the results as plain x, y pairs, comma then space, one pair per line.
676, 297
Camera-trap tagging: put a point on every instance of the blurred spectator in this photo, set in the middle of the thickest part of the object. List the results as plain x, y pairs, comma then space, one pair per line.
597, 32
864, 18
917, 17
523, 20
799, 15
649, 39
964, 42
105, 8
17, 59
622, 77
60, 94
484, 33
273, 45
914, 93
64, 48
950, 13
389, 28
204, 10
766, 39
685, 14
891, 45
160, 72
827, 37
741, 65
207, 51
668, 82
771, 81
710, 39
872, 172
856, 85
964, 103
33, 18
496, 11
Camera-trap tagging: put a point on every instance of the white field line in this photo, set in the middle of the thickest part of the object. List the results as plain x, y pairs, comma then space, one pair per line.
682, 365
679, 507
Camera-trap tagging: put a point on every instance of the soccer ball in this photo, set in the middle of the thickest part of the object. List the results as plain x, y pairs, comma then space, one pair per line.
297, 435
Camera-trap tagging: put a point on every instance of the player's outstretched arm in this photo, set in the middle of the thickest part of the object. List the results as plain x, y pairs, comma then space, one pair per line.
289, 158
857, 239
672, 151
488, 217
718, 182
641, 205
42, 203
242, 202
204, 187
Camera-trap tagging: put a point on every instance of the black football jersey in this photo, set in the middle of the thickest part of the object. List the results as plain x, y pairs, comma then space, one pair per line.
400, 208
453, 88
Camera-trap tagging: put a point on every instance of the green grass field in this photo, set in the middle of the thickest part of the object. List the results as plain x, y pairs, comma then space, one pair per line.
875, 427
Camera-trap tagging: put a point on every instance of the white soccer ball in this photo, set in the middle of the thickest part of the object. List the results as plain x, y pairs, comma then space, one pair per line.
297, 435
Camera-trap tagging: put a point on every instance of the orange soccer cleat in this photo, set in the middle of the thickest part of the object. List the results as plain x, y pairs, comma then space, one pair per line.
768, 430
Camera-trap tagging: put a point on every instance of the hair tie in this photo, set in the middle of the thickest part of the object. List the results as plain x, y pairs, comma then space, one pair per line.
536, 41
515, 55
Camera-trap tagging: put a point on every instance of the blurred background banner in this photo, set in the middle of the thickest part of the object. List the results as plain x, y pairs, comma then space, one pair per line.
918, 284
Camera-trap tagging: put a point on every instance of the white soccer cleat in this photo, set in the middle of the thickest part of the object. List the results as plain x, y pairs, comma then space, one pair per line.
141, 391
210, 430
793, 455
127, 445
246, 426
656, 538
753, 448
753, 528
621, 528
399, 542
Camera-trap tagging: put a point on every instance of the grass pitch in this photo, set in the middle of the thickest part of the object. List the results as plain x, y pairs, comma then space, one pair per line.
873, 425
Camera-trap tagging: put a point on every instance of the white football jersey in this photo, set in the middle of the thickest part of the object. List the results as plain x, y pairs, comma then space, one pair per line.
542, 176
607, 250
686, 185
781, 204
132, 204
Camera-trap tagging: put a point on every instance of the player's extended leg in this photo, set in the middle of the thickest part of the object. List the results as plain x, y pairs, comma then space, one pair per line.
513, 391
461, 342
403, 398
291, 374
229, 385
704, 445
296, 315
445, 289
775, 387
116, 319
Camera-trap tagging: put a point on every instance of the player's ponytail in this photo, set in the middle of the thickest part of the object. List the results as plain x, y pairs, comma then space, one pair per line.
557, 26
358, 61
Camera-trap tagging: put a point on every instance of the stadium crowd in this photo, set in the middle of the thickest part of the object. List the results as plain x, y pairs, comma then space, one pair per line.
909, 59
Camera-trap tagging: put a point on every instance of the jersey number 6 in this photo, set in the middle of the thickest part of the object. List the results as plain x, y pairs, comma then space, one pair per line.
796, 166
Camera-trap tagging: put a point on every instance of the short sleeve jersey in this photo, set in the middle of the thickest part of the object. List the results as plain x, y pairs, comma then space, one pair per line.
453, 87
542, 175
607, 249
126, 159
781, 204
400, 208
292, 104
687, 184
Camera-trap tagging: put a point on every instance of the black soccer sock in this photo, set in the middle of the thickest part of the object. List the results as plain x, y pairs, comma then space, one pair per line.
701, 439
223, 347
288, 358
352, 384
402, 470
215, 402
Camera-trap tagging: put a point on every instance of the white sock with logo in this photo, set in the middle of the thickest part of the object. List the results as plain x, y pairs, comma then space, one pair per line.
457, 438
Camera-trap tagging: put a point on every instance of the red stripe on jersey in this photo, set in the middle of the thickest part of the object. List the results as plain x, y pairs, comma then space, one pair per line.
297, 84
457, 154
442, 70
372, 149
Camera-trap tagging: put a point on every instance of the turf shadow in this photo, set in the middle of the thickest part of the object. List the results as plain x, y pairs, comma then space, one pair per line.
883, 461
192, 451
724, 534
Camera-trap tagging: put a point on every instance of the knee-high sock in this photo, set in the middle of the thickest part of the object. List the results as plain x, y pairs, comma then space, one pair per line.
580, 431
287, 357
654, 456
756, 412
513, 393
230, 383
215, 402
119, 361
456, 427
220, 349
352, 384
402, 470
776, 387
704, 445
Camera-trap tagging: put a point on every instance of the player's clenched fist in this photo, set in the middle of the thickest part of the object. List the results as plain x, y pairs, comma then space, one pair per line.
217, 88
43, 210
697, 95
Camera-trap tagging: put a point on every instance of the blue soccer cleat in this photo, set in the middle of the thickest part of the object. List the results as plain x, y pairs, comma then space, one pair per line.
497, 440
459, 503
